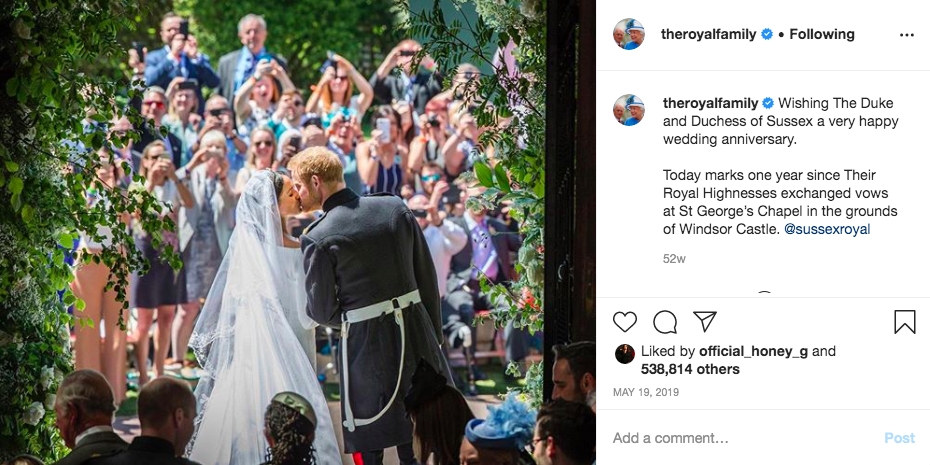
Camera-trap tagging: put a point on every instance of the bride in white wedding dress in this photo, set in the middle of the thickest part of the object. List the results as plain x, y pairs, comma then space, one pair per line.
253, 338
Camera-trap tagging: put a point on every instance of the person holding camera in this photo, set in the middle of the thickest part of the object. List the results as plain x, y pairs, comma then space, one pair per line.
160, 289
204, 230
182, 119
460, 149
218, 117
427, 146
183, 59
342, 138
415, 86
335, 89
381, 159
289, 114
257, 99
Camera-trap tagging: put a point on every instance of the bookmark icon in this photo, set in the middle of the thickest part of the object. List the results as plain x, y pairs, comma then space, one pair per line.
706, 318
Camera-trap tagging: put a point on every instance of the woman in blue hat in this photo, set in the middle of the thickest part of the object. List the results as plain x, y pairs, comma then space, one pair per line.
635, 29
501, 438
637, 110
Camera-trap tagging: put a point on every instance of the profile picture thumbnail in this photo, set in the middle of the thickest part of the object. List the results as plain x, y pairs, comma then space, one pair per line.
625, 354
629, 110
629, 34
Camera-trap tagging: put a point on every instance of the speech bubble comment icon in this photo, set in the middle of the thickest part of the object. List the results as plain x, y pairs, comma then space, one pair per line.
624, 320
665, 322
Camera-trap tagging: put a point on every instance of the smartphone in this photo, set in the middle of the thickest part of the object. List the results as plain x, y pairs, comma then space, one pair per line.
185, 28
313, 119
139, 47
329, 55
295, 142
189, 84
384, 125
407, 53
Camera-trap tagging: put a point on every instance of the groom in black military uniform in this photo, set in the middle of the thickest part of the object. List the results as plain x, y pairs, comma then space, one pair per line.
369, 273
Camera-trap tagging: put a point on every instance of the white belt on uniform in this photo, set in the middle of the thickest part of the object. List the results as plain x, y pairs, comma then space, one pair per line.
395, 306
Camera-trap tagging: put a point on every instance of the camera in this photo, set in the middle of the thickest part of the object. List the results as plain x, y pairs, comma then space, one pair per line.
188, 84
433, 121
217, 112
139, 46
313, 119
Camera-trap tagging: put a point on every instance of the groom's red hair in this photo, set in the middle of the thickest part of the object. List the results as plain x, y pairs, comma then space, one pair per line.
316, 161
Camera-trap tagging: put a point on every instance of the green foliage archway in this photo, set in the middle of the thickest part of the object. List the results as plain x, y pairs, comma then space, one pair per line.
44, 98
511, 103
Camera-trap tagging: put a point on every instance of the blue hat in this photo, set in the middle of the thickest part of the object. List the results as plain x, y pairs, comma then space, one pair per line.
634, 25
509, 426
634, 101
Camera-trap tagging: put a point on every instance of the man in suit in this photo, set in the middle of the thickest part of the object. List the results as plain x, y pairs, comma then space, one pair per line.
170, 25
166, 414
573, 374
154, 108
492, 248
84, 415
179, 57
237, 66
413, 86
370, 273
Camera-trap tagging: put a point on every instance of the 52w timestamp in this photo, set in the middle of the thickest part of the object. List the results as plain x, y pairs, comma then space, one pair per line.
673, 258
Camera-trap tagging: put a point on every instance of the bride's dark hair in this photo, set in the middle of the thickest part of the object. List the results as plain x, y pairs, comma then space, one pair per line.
278, 181
292, 434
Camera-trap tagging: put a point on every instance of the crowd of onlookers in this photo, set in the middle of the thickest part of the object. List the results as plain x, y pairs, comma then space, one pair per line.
208, 130
446, 432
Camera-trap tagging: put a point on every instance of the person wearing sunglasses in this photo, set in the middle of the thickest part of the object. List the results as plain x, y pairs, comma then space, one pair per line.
289, 114
260, 156
154, 109
335, 89
218, 117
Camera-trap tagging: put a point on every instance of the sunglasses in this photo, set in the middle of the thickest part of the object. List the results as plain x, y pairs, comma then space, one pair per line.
264, 143
153, 102
340, 78
419, 213
431, 177
298, 102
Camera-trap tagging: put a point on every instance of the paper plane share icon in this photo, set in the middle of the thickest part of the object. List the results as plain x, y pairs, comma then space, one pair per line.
706, 318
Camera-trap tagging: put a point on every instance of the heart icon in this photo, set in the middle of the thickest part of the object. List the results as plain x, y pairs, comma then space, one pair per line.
624, 320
